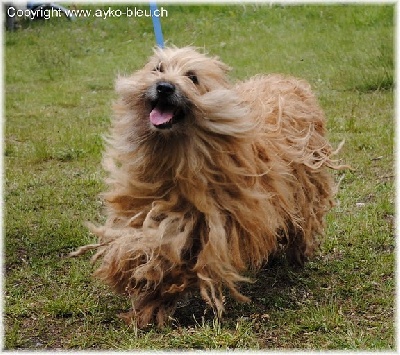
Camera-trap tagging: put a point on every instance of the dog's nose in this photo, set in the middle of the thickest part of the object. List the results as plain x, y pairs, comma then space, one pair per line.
165, 88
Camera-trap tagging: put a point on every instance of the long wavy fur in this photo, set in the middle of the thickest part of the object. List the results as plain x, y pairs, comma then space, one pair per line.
192, 208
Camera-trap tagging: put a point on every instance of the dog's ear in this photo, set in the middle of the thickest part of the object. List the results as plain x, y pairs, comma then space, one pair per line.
124, 85
225, 68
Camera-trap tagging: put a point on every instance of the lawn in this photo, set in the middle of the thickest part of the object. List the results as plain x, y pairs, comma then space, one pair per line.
59, 79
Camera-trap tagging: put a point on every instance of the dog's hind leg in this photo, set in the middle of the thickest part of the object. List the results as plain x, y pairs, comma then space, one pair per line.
295, 251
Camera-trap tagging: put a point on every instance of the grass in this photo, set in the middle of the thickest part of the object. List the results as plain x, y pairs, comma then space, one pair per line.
58, 88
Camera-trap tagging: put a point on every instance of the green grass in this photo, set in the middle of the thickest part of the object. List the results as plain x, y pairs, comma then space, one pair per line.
59, 79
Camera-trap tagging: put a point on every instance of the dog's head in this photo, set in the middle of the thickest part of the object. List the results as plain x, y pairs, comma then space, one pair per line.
178, 89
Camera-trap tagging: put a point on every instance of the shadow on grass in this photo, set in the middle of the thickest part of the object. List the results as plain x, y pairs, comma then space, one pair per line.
277, 286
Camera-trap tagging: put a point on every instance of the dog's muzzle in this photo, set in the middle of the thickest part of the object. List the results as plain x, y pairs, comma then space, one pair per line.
166, 108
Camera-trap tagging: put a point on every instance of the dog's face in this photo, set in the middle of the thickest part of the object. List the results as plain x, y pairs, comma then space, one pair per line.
167, 92
170, 93
178, 79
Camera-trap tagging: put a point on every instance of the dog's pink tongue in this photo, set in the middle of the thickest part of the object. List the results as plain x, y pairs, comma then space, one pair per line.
158, 116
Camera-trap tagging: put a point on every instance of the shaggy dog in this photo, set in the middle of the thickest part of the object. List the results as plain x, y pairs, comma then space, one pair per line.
208, 180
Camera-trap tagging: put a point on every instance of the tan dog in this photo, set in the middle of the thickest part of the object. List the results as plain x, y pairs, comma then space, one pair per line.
208, 180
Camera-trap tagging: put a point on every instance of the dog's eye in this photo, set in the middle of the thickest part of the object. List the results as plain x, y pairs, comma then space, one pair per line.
192, 76
159, 67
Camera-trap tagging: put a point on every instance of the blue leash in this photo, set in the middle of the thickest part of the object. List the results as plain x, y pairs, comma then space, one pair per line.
156, 24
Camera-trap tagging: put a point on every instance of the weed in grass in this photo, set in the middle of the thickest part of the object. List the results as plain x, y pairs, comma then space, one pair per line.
42, 151
53, 61
382, 67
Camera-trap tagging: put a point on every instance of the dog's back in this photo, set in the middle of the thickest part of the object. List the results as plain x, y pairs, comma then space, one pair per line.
293, 126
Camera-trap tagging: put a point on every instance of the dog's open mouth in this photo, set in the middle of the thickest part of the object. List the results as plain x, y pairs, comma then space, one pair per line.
165, 115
